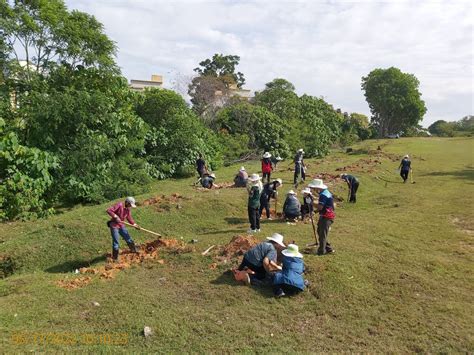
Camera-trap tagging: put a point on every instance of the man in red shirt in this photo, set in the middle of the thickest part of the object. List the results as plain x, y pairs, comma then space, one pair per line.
119, 213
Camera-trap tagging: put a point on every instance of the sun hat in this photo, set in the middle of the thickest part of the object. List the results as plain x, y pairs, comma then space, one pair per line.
213, 175
406, 156
307, 190
292, 250
343, 176
300, 150
317, 184
291, 192
254, 178
131, 201
242, 168
277, 238
267, 155
280, 181
279, 158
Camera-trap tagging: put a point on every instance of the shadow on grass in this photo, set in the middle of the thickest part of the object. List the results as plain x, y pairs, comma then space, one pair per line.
235, 220
226, 278
467, 173
70, 266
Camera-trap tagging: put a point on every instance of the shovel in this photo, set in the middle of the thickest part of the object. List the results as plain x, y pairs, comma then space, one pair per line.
143, 229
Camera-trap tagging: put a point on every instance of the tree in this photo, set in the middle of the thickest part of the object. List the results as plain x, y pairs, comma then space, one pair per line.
280, 98
394, 100
442, 128
176, 136
222, 66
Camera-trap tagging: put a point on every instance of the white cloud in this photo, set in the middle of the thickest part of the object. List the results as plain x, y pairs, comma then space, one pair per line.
323, 48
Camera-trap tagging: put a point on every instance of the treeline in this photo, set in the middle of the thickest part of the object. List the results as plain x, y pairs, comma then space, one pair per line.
72, 131
463, 127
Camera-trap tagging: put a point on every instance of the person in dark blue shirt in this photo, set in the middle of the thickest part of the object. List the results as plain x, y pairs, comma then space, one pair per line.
300, 167
208, 181
326, 215
353, 184
405, 167
269, 191
307, 206
201, 168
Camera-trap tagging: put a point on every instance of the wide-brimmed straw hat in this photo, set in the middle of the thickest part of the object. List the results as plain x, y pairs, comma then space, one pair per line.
254, 178
343, 176
291, 192
293, 251
213, 175
306, 190
242, 168
277, 238
279, 158
300, 150
317, 184
280, 181
267, 155
406, 156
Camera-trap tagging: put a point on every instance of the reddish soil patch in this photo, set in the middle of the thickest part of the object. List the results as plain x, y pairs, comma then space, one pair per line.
362, 165
238, 245
148, 251
223, 185
164, 203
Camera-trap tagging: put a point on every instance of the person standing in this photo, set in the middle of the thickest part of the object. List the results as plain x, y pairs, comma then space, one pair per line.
266, 166
201, 168
255, 189
326, 215
300, 167
119, 213
291, 207
405, 167
353, 185
269, 191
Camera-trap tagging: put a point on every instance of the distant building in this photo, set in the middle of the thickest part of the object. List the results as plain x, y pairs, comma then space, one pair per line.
234, 90
140, 85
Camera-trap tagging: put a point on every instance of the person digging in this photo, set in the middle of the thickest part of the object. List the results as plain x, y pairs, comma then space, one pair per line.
291, 207
201, 168
289, 281
307, 205
207, 180
260, 262
326, 215
269, 191
353, 185
241, 178
119, 213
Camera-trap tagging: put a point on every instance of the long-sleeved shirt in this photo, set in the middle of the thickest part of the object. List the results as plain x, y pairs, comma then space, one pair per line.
122, 212
292, 206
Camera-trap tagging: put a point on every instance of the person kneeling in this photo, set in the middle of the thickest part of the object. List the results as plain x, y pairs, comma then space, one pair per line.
208, 181
292, 207
241, 178
290, 280
260, 261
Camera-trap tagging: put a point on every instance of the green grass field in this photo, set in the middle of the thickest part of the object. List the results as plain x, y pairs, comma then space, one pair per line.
400, 281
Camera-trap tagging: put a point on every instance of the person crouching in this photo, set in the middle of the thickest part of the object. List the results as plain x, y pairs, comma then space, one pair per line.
241, 178
290, 280
208, 181
291, 207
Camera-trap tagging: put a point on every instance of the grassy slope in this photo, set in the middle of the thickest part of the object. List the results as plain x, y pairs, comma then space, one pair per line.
401, 279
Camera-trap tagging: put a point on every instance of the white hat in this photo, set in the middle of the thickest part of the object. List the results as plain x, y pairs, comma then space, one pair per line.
213, 175
277, 238
300, 150
267, 155
279, 158
280, 181
254, 177
317, 184
406, 156
292, 250
343, 175
306, 190
242, 168
131, 201
291, 192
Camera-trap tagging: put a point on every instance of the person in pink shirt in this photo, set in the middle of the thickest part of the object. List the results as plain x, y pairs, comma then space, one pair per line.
119, 213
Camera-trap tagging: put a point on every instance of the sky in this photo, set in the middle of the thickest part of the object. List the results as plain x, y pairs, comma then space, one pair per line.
323, 47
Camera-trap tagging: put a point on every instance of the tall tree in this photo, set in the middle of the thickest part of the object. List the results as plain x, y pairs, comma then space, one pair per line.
222, 66
280, 98
394, 100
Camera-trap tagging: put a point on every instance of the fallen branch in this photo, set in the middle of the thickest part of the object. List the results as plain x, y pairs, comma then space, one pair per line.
207, 250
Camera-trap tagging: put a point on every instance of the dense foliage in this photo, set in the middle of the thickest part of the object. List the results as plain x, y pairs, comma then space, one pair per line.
463, 127
394, 100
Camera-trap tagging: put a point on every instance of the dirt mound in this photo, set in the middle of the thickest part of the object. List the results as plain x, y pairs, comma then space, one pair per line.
148, 251
363, 165
222, 185
328, 178
238, 246
380, 153
163, 203
74, 283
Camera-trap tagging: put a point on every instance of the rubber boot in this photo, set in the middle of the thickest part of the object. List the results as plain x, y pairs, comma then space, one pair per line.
115, 254
132, 247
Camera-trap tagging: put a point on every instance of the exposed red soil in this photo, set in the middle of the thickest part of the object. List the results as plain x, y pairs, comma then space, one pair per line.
163, 203
147, 251
222, 185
